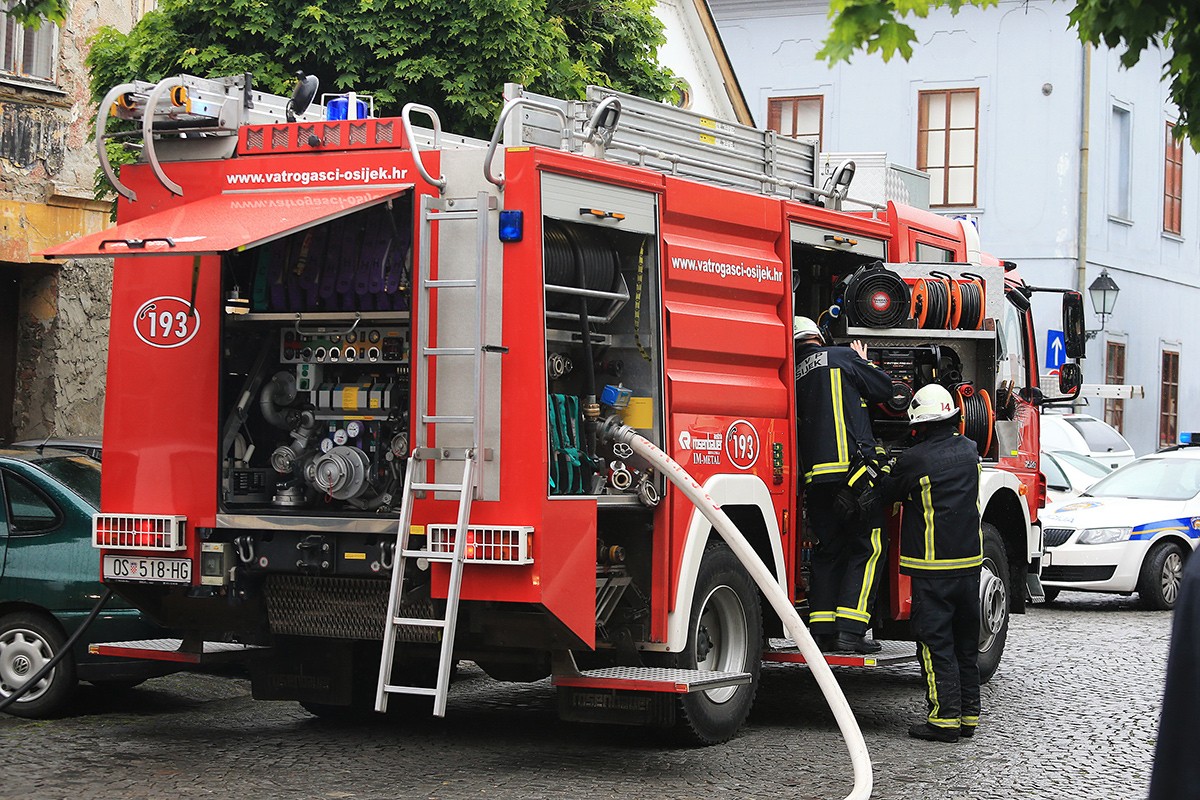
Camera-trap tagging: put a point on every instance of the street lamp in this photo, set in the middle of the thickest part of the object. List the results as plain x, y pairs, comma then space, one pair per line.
1103, 292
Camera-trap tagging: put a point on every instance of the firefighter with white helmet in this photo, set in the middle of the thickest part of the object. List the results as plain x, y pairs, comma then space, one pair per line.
941, 549
835, 445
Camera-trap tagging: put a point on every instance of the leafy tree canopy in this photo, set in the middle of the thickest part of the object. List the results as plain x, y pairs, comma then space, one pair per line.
32, 13
877, 26
453, 56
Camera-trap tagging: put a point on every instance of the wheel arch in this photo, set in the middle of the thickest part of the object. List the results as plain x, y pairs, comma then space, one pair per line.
1004, 509
747, 501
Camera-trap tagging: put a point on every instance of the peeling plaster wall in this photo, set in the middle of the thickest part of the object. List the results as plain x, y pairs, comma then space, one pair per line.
47, 164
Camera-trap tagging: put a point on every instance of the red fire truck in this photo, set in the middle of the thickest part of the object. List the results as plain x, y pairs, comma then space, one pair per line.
360, 374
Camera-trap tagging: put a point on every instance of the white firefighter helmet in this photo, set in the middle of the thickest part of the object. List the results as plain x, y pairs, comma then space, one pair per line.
803, 328
930, 404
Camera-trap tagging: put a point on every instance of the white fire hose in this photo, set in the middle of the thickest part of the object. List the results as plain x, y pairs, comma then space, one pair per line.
615, 430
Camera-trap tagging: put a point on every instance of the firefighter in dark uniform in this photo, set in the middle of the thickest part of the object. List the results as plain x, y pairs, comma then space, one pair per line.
1176, 772
833, 431
941, 549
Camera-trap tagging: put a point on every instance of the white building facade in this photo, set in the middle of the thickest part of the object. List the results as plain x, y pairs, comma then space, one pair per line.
1006, 109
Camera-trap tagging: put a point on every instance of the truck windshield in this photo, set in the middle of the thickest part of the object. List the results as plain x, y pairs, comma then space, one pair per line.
81, 475
1152, 479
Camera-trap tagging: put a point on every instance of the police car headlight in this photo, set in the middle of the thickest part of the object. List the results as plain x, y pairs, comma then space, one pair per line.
1104, 535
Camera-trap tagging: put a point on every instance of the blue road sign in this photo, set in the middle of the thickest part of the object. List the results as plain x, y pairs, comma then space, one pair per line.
1056, 349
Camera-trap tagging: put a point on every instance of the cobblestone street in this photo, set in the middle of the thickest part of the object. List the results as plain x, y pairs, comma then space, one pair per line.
1072, 713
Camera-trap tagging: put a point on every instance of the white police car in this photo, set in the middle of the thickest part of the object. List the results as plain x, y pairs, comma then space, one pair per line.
1130, 532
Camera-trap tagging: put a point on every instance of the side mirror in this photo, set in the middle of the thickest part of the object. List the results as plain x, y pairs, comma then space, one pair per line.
1074, 336
1070, 379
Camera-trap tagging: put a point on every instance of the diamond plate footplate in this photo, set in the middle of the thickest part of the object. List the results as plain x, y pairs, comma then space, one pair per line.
652, 679
784, 651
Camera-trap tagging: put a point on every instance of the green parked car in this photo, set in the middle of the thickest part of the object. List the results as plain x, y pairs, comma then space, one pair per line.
49, 581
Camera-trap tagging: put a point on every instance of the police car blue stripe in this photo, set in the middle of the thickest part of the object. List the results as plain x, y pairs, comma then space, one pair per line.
1188, 526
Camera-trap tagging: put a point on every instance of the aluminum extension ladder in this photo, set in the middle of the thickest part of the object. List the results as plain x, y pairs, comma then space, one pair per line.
426, 454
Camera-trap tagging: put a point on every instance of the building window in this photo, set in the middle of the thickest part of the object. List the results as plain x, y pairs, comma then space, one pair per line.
24, 52
797, 117
948, 145
1118, 168
1168, 410
1114, 374
1173, 183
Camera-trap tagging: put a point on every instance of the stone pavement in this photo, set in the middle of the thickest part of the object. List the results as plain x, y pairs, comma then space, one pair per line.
1072, 713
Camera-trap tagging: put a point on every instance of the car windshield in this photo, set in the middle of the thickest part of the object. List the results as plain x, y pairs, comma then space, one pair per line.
1090, 466
1100, 437
1152, 479
1055, 477
79, 474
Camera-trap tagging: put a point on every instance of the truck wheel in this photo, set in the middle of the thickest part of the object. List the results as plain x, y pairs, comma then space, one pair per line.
994, 590
1162, 571
724, 634
27, 641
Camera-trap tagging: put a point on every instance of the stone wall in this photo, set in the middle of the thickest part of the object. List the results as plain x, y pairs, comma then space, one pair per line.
47, 168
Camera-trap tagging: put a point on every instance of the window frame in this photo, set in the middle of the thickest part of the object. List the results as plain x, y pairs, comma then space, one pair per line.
924, 127
1168, 397
1114, 408
775, 116
18, 36
14, 531
1172, 182
1120, 164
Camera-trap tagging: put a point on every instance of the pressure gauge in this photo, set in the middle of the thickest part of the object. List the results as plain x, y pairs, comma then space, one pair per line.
326, 445
340, 436
353, 428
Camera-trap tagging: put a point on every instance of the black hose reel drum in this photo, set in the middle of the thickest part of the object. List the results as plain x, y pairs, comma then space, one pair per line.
874, 297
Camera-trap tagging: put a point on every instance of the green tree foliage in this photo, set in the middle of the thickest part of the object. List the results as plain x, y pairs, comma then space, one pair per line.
454, 56
1132, 25
32, 13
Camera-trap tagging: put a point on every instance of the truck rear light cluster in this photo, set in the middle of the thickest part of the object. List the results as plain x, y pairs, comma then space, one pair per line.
138, 532
487, 544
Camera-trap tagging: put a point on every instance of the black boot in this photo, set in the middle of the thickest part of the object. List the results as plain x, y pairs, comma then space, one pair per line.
932, 733
826, 641
857, 644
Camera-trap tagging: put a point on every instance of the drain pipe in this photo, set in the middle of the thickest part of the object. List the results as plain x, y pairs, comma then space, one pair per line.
613, 429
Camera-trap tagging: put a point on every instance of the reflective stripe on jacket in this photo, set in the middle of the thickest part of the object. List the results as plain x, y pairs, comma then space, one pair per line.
937, 480
833, 386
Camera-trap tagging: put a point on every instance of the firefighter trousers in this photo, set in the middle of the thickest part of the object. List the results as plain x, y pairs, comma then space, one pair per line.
945, 621
847, 560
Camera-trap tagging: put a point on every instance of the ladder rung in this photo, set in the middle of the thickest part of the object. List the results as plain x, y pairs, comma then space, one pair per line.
426, 690
449, 351
437, 487
456, 283
422, 622
428, 554
463, 419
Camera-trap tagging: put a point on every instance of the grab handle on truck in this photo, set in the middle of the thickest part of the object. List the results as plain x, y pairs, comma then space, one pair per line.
509, 107
406, 121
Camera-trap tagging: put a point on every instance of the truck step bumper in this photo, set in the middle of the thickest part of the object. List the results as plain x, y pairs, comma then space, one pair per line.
173, 650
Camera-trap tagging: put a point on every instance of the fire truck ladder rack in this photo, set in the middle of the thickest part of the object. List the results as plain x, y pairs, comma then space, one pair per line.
426, 453
677, 142
208, 111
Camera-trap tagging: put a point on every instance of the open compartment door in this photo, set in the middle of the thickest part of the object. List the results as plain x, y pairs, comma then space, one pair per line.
224, 222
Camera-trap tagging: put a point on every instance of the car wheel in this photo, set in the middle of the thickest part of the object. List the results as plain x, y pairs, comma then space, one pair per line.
1051, 594
724, 634
27, 641
1162, 572
994, 591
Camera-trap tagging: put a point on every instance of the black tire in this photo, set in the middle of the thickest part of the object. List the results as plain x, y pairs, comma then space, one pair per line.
1162, 572
27, 641
724, 634
1051, 594
995, 587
